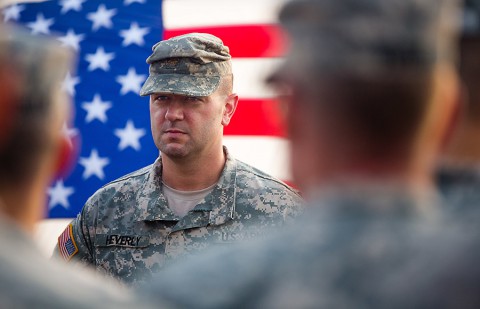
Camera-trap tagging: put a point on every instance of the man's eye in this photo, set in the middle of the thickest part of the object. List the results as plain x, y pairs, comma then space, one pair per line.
161, 98
193, 99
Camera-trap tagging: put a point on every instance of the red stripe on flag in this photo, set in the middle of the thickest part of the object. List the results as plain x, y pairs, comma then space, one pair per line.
257, 117
245, 41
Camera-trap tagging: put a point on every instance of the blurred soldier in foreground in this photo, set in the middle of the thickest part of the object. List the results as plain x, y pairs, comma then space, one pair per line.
196, 194
459, 174
371, 87
33, 150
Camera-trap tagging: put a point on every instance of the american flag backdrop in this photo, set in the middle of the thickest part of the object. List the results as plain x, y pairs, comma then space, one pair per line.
113, 38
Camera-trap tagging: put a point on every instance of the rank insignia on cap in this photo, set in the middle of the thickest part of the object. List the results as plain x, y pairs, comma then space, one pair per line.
66, 244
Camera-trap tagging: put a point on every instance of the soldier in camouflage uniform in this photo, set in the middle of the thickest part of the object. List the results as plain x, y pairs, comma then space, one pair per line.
196, 194
372, 87
32, 151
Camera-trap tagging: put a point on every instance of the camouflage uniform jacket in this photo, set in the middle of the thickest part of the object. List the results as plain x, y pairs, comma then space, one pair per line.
353, 249
459, 185
29, 280
127, 230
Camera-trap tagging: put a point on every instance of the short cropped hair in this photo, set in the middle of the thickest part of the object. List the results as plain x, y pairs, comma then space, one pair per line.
226, 85
381, 113
469, 60
469, 69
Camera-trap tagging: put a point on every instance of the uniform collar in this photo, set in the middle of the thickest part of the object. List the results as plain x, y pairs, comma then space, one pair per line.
377, 200
12, 235
217, 208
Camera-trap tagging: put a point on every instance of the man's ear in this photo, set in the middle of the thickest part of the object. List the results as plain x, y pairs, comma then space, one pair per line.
459, 109
66, 155
6, 113
230, 107
444, 108
9, 90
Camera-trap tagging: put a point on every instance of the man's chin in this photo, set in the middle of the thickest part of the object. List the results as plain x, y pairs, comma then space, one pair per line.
174, 151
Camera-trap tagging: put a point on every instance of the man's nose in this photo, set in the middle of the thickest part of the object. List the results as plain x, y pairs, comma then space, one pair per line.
174, 111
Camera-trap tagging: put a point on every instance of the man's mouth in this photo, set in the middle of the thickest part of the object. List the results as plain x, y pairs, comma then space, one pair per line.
174, 131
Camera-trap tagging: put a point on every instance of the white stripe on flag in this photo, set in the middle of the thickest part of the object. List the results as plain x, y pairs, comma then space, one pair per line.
201, 13
268, 154
4, 3
250, 74
47, 232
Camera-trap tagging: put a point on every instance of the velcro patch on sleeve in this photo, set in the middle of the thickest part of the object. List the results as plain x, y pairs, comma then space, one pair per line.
66, 243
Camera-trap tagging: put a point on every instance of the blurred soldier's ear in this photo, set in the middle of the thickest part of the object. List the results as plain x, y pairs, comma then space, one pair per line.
9, 84
67, 147
66, 155
459, 110
444, 107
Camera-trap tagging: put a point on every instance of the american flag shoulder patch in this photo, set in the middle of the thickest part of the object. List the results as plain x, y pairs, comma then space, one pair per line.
66, 244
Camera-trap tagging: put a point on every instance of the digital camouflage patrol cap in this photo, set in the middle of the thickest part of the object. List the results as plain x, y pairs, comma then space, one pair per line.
367, 37
471, 18
190, 64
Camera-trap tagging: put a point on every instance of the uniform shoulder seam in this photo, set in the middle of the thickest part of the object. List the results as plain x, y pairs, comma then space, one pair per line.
137, 173
258, 173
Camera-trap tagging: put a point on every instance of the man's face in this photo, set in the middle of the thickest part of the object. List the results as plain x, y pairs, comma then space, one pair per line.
185, 126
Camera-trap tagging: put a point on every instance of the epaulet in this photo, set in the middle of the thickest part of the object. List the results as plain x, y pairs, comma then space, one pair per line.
137, 173
244, 167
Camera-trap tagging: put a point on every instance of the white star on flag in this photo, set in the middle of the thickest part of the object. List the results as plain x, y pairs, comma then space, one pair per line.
99, 60
59, 195
93, 165
129, 136
96, 109
102, 17
41, 25
69, 84
134, 35
71, 39
128, 2
13, 12
131, 81
67, 5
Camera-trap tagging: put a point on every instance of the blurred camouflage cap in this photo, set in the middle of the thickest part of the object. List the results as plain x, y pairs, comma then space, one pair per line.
471, 18
190, 64
367, 37
40, 63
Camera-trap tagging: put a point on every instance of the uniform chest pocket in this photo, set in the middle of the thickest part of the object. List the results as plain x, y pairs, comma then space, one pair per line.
122, 256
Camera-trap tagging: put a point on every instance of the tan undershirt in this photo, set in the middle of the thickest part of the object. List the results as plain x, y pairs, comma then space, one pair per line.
181, 202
